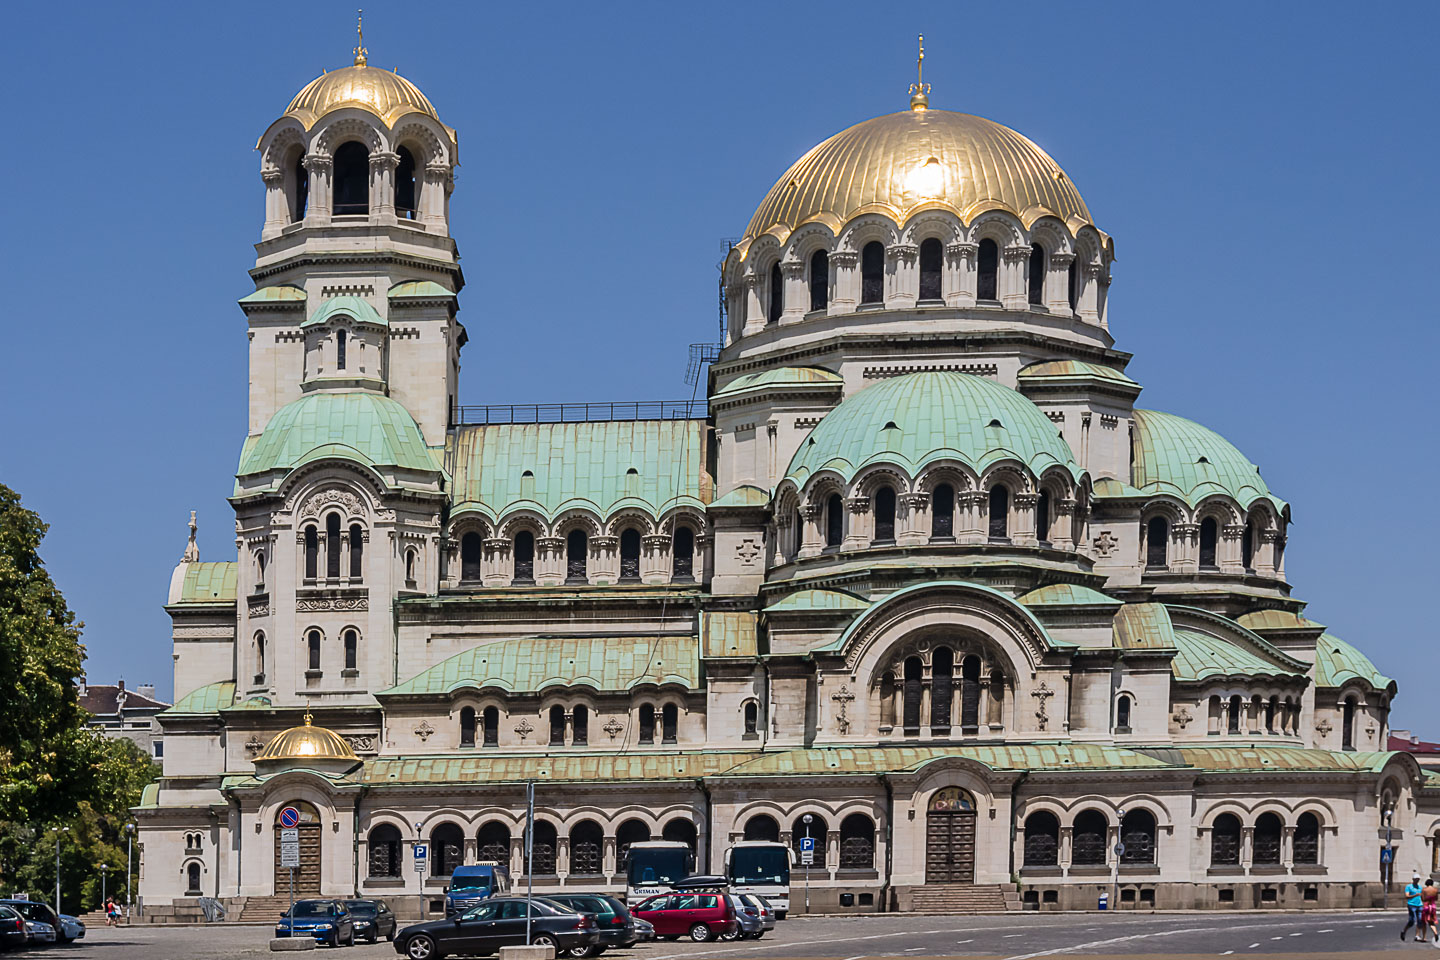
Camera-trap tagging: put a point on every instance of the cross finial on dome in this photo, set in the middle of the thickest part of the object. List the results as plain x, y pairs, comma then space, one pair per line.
360, 50
192, 549
920, 90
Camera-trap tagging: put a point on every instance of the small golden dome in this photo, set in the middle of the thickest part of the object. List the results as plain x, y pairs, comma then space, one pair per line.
902, 162
387, 95
307, 743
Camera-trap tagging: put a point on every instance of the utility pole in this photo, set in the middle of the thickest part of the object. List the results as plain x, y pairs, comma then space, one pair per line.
103, 867
1119, 852
58, 832
529, 854
806, 820
129, 885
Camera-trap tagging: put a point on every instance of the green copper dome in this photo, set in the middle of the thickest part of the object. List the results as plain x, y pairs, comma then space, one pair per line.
919, 418
1179, 457
364, 427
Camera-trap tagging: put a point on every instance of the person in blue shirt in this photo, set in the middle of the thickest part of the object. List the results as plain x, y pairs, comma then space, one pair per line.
1412, 903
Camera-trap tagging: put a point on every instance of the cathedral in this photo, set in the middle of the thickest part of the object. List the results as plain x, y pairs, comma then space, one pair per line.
916, 572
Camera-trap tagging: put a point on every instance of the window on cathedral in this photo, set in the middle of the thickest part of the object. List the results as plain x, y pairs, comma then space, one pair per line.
524, 556
384, 847
1137, 833
192, 875
580, 726
669, 722
647, 723
1267, 839
260, 657
542, 854
1122, 715
1209, 538
340, 343
932, 259
1072, 281
410, 566
1225, 841
999, 513
1247, 548
1157, 543
467, 726
471, 552
872, 273
762, 826
447, 849
777, 294
819, 280
587, 846
970, 694
682, 552
490, 722
857, 842
357, 551
1042, 517
352, 649
352, 179
942, 512
312, 641
834, 520
1271, 709
885, 514
300, 199
333, 546
1347, 725
1042, 839
312, 552
1089, 839
1307, 839
557, 726
627, 835
942, 686
1037, 274
987, 279
752, 719
260, 571
818, 830
577, 549
1236, 708
493, 842
405, 192
630, 556
912, 694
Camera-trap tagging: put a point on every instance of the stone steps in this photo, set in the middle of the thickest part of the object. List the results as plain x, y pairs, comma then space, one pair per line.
962, 898
264, 909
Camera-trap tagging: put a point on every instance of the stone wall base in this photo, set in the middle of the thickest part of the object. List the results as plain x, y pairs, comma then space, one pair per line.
1254, 894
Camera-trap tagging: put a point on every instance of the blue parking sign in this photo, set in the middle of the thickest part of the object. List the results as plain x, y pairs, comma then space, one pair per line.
421, 851
807, 844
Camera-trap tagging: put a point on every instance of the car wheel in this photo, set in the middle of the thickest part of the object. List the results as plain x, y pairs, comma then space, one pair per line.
373, 937
580, 953
420, 947
545, 940
700, 933
390, 937
729, 935
350, 938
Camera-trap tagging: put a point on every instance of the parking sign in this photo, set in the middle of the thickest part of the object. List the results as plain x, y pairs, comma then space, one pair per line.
422, 851
807, 851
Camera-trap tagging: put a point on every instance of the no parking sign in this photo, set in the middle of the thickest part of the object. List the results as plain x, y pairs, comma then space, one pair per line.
289, 817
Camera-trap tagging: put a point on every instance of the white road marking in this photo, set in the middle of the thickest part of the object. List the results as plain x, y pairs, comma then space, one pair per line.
859, 956
971, 940
1145, 936
1009, 935
1253, 946
1325, 931
1277, 938
1297, 934
1227, 953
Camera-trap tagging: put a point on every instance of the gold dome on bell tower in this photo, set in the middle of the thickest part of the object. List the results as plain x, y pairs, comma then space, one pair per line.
307, 743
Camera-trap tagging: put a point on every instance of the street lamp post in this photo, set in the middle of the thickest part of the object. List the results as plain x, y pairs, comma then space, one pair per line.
806, 820
103, 868
129, 883
58, 832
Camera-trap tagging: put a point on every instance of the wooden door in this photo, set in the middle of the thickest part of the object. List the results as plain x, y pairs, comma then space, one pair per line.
307, 878
950, 838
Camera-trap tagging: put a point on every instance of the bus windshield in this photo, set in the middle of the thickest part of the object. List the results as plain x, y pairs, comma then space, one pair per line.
755, 865
471, 882
665, 865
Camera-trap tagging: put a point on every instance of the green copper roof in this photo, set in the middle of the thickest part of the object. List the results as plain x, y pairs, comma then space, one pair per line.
1337, 662
779, 377
1143, 626
1202, 656
808, 600
1072, 369
1278, 759
744, 496
356, 308
283, 293
729, 634
209, 582
532, 664
1179, 457
578, 768
418, 288
842, 760
208, 699
1277, 620
363, 427
654, 465
1110, 487
1066, 594
919, 418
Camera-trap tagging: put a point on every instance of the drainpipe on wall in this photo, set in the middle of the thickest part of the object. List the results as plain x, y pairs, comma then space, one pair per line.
889, 841
355, 826
709, 822
394, 642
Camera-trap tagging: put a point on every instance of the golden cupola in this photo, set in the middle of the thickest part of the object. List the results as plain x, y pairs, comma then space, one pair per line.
387, 95
307, 746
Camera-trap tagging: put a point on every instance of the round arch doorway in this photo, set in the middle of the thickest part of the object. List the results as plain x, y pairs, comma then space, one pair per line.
950, 837
307, 878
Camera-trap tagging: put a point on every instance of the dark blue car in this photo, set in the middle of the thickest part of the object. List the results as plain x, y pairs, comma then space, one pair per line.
325, 920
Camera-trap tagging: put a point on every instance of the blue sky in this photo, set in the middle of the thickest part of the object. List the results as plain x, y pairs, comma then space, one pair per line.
1266, 170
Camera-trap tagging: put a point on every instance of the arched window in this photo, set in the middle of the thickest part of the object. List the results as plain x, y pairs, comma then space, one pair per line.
1157, 542
819, 280
410, 566
857, 842
912, 693
970, 693
312, 552
1347, 726
332, 546
1037, 274
1237, 707
557, 726
384, 847
752, 718
579, 726
1209, 537
1247, 548
260, 571
628, 834
312, 640
577, 550
999, 513
647, 723
932, 259
834, 520
629, 555
192, 876
352, 179
1072, 281
942, 685
669, 722
587, 847
1042, 840
471, 554
872, 273
405, 185
1225, 841
777, 294
1271, 709
1267, 839
1307, 839
340, 345
260, 657
467, 726
818, 830
524, 556
493, 843
357, 551
1089, 841
1122, 714
491, 722
352, 649
1042, 517
762, 827
301, 199
885, 514
942, 512
542, 854
447, 849
682, 555
1137, 833
680, 831
995, 709
988, 271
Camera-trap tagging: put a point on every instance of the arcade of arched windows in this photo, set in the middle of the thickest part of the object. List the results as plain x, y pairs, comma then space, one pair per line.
332, 548
1236, 839
934, 260
571, 718
1214, 537
943, 687
847, 840
1052, 837
1251, 712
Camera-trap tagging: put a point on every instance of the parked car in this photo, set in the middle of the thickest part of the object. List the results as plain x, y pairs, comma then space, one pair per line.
40, 931
748, 925
472, 883
643, 928
617, 926
35, 911
495, 923
12, 929
700, 916
326, 920
768, 915
71, 928
373, 919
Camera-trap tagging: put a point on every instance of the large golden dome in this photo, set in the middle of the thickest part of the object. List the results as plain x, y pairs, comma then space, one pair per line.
307, 742
900, 163
387, 95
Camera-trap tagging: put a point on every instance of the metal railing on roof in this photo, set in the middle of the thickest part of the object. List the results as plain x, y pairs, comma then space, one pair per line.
579, 412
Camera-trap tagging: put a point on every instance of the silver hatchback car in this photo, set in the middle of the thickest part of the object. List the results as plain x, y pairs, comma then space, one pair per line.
748, 924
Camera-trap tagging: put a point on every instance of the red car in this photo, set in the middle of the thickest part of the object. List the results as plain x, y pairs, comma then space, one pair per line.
700, 916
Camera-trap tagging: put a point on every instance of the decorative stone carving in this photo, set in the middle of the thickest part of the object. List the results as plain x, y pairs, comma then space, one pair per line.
1042, 693
254, 745
323, 498
613, 727
747, 551
1323, 727
1182, 718
321, 604
844, 697
524, 729
361, 742
1106, 543
423, 730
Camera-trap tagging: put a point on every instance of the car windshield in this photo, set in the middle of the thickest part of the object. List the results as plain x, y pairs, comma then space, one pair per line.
662, 865
471, 882
361, 908
32, 910
319, 908
759, 865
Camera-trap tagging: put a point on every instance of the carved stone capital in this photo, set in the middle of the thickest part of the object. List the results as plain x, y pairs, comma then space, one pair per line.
384, 160
751, 282
859, 504
962, 251
1017, 254
272, 178
844, 258
1026, 499
318, 163
792, 269
1094, 270
915, 500
904, 251
1061, 259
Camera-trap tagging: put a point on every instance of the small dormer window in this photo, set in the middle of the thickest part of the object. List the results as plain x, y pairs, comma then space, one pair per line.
996, 424
1203, 460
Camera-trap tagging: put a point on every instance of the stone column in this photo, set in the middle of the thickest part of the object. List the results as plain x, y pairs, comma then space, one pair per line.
913, 522
1024, 532
382, 186
812, 542
562, 858
1265, 556
704, 560
843, 265
609, 858
549, 560
857, 533
276, 214
1057, 284
1013, 294
655, 558
1062, 524
1230, 559
959, 279
1247, 847
434, 191
1089, 304
797, 298
904, 279
320, 202
497, 571
1184, 540
1067, 848
970, 522
603, 559
754, 309
1102, 297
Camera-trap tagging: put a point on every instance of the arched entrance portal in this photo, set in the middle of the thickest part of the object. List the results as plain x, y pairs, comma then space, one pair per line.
950, 837
307, 878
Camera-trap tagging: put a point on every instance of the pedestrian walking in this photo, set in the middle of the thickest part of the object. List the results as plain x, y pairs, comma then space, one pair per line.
1429, 903
112, 913
1412, 907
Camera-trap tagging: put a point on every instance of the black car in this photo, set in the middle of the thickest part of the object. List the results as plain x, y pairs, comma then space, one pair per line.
37, 912
12, 929
373, 919
617, 927
498, 922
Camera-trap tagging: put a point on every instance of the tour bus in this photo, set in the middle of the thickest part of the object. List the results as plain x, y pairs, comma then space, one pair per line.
761, 867
470, 884
654, 866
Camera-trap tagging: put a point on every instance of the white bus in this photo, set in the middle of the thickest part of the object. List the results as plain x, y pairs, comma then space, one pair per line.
654, 866
761, 867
